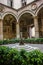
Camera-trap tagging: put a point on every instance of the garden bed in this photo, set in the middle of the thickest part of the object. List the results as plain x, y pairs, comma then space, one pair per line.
13, 41
9, 56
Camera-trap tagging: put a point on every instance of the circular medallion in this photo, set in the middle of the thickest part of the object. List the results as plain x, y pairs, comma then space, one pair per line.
33, 6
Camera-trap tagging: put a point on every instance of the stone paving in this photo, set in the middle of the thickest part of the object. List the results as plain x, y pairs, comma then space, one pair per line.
26, 46
40, 46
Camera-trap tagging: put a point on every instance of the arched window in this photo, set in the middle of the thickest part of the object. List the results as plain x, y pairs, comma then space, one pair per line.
10, 3
23, 2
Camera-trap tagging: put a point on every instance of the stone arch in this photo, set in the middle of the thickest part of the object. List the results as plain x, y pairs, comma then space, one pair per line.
26, 23
23, 12
40, 20
39, 8
9, 26
5, 13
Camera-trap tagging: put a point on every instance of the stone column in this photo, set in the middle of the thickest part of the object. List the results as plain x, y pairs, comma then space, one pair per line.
17, 30
36, 27
30, 32
1, 29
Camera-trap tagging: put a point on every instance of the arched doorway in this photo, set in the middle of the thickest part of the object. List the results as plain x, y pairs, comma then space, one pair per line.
40, 22
9, 27
26, 23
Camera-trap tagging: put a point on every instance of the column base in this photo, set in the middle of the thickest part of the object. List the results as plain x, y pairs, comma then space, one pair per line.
36, 34
1, 37
18, 37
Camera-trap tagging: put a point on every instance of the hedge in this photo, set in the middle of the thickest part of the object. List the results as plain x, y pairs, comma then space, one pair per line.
9, 56
32, 40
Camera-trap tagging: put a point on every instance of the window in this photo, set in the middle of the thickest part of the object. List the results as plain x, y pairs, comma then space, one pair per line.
10, 3
23, 2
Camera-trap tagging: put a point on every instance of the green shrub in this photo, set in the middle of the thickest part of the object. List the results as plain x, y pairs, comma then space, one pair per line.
32, 40
1, 42
36, 58
9, 56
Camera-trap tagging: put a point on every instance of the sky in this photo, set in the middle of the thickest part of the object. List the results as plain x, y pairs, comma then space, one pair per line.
17, 3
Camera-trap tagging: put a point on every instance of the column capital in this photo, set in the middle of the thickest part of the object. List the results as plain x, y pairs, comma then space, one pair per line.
36, 20
0, 19
17, 23
35, 17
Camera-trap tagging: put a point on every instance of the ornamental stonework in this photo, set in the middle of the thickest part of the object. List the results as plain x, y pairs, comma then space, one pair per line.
1, 8
33, 6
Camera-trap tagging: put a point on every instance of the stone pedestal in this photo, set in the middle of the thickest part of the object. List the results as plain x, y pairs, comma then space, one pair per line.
36, 27
17, 30
1, 29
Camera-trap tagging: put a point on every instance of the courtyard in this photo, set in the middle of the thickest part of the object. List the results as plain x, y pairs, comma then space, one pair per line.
21, 32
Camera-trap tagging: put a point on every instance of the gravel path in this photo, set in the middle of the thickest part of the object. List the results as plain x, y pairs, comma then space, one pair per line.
39, 46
